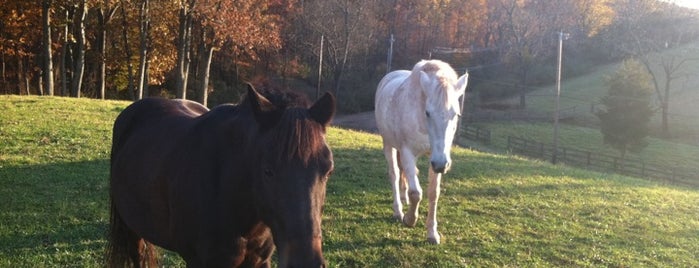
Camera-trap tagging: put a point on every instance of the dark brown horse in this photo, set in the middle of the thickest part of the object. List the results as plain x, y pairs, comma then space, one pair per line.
220, 187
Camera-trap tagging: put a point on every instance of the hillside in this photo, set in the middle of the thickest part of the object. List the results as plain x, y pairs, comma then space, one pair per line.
495, 210
581, 95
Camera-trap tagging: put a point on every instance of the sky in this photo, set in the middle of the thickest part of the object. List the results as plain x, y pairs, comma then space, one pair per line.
688, 3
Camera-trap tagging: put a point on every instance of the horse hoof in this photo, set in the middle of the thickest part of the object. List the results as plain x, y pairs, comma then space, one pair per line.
433, 240
409, 220
398, 218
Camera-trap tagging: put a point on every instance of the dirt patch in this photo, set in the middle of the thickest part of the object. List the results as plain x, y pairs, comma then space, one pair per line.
361, 121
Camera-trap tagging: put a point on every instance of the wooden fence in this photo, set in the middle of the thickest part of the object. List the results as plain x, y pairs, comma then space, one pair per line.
604, 162
475, 134
481, 115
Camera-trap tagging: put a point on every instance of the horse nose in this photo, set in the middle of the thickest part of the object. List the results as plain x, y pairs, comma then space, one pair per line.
440, 166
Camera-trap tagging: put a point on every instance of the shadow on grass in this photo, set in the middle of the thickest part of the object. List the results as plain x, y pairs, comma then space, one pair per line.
53, 211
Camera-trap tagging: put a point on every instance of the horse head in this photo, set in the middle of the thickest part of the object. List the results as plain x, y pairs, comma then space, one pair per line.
290, 171
442, 110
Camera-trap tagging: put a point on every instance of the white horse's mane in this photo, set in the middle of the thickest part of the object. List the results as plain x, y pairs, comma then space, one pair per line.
439, 71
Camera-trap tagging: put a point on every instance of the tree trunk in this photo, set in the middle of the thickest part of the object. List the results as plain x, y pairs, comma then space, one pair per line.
207, 53
2, 72
144, 20
64, 57
127, 49
79, 69
183, 48
20, 72
101, 48
47, 70
666, 106
523, 86
104, 15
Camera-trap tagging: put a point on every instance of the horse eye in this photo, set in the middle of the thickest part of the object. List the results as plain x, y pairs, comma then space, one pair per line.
268, 172
427, 113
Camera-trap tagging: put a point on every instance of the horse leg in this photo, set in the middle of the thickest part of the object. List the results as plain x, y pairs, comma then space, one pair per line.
433, 196
124, 246
403, 184
394, 175
415, 191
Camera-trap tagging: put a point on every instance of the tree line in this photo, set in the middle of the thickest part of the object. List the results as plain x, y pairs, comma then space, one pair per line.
204, 49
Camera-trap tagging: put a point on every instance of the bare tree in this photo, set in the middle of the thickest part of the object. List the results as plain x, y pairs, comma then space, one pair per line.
127, 50
144, 34
47, 70
345, 26
184, 40
649, 32
79, 62
105, 12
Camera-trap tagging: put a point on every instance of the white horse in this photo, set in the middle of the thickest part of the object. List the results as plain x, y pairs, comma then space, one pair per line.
417, 113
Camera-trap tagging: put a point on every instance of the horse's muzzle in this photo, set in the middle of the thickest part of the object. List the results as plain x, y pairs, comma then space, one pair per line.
440, 167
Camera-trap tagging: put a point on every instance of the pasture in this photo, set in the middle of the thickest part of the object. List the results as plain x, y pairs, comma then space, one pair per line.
581, 95
659, 151
495, 209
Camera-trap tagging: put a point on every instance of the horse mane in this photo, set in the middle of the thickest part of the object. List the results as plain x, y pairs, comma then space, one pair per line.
295, 132
438, 70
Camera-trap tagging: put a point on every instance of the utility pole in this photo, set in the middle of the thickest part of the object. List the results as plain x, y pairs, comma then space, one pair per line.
320, 66
389, 60
561, 36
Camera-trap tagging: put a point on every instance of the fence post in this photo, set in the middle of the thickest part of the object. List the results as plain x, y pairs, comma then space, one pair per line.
509, 143
589, 161
541, 149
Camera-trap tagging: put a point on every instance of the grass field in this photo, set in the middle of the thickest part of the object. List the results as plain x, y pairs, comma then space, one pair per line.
495, 210
659, 151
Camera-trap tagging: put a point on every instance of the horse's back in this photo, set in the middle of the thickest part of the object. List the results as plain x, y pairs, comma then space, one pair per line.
144, 134
392, 102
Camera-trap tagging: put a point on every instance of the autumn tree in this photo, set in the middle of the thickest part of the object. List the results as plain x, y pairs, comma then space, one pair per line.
246, 27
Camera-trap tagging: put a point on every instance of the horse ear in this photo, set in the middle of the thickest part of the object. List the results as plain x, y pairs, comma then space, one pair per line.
323, 110
259, 103
461, 84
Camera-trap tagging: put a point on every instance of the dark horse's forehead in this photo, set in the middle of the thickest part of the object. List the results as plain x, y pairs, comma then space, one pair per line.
297, 136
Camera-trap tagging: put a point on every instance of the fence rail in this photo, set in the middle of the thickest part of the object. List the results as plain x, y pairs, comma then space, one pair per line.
481, 115
604, 162
476, 134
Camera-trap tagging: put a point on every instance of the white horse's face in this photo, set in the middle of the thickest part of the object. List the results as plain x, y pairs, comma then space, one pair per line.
442, 112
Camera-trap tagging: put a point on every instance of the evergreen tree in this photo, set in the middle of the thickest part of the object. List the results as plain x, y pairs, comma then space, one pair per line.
624, 121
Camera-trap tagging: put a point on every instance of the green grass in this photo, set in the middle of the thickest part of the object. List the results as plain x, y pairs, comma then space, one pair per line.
495, 210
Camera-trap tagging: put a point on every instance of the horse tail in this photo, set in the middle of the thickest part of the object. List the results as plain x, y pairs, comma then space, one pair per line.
125, 248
